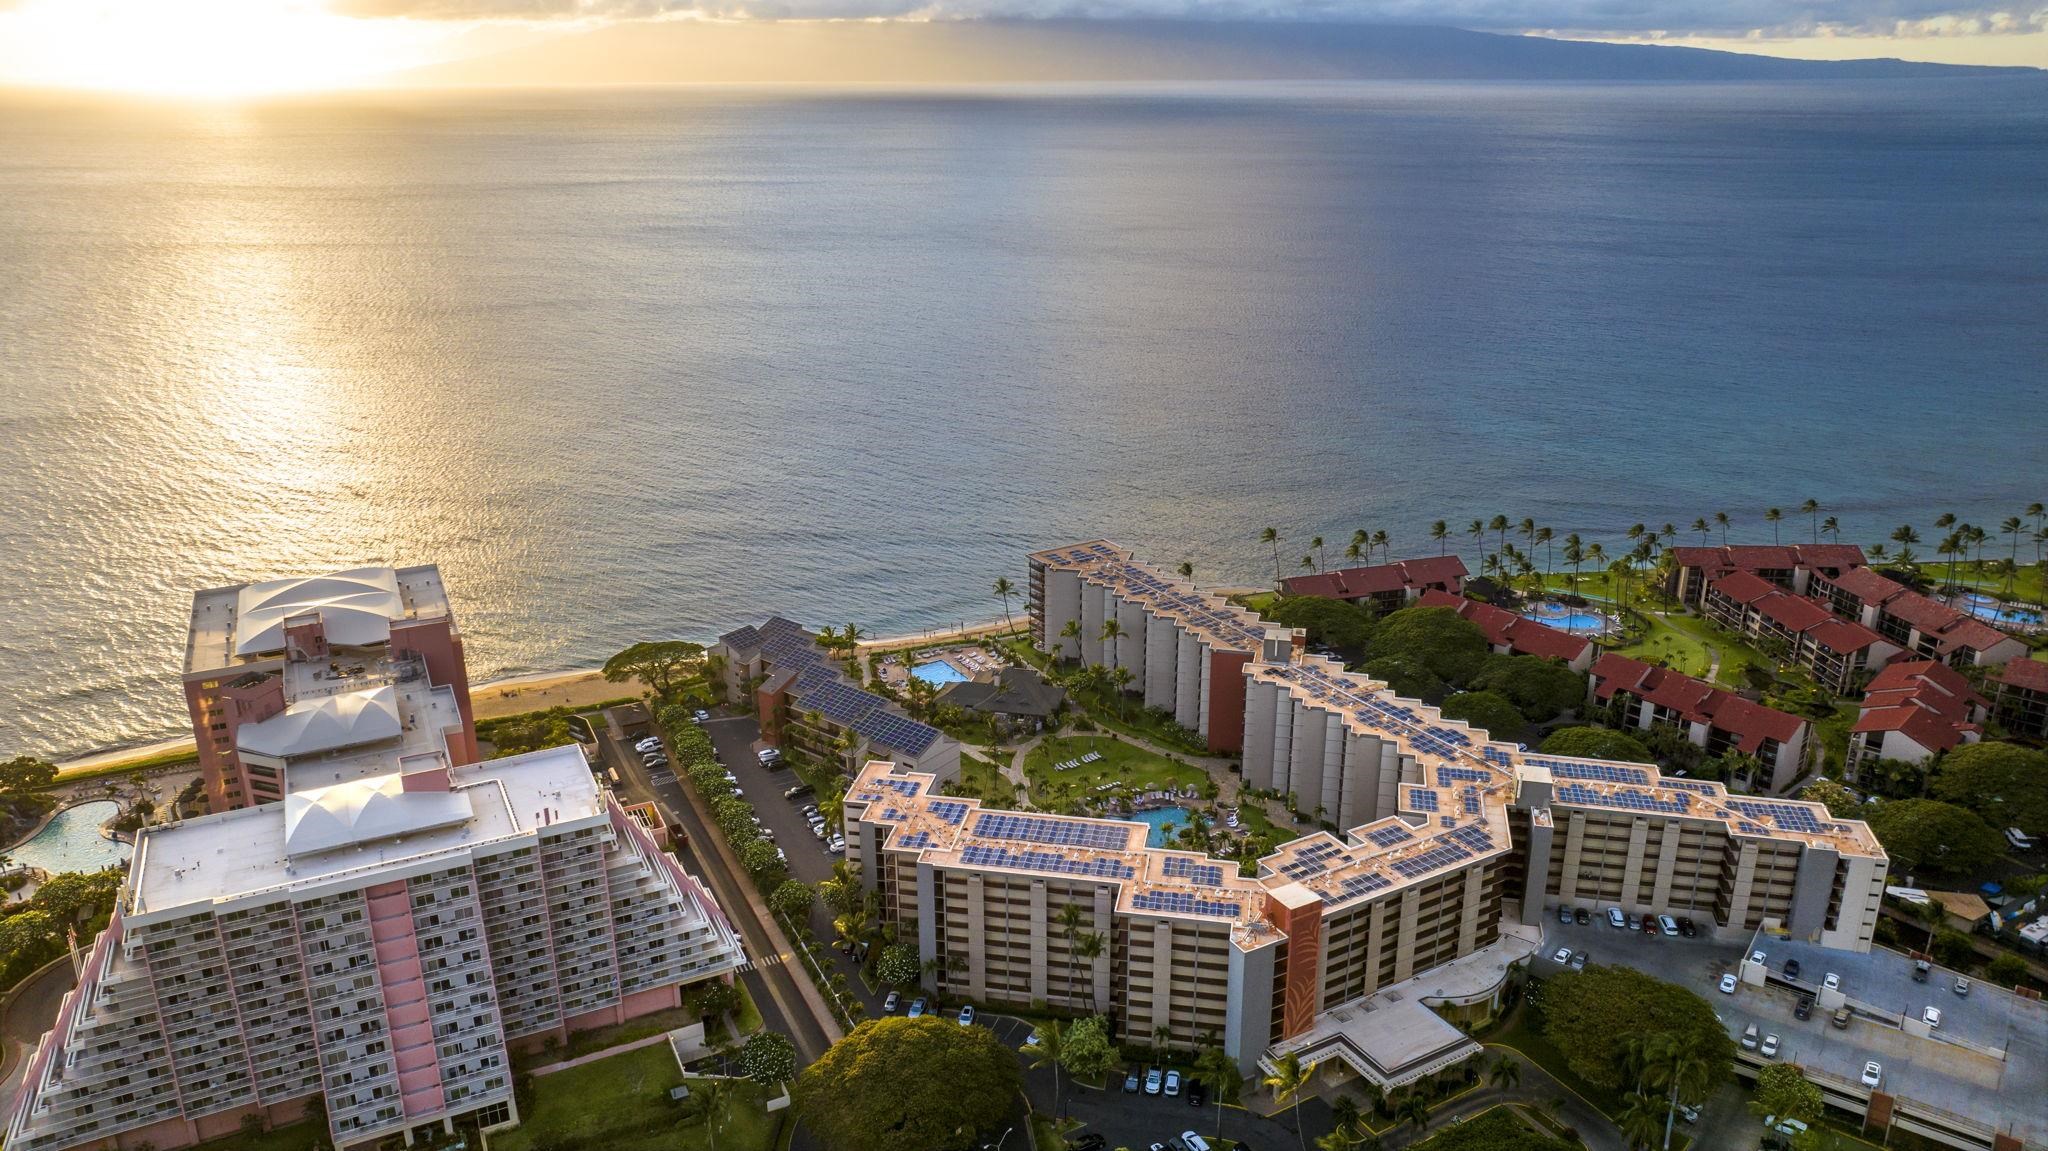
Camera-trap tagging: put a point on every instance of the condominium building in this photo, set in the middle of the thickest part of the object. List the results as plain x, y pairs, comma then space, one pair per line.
1791, 566
1508, 633
1914, 711
1718, 721
1838, 653
327, 676
1455, 846
1383, 587
1925, 627
379, 943
805, 701
2020, 692
1184, 649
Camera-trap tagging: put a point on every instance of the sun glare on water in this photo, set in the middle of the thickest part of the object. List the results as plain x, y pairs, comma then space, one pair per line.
198, 47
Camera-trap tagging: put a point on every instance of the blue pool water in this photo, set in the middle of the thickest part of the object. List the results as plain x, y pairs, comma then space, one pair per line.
72, 842
1993, 611
1165, 821
1559, 616
938, 673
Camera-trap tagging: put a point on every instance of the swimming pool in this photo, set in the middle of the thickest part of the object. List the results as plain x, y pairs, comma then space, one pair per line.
939, 673
1992, 610
1165, 821
71, 841
1560, 616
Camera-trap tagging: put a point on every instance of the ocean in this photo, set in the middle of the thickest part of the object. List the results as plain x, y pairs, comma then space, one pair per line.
653, 363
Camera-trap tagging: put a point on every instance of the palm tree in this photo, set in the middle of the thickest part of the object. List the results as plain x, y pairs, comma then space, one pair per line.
1771, 517
1004, 590
1070, 919
1477, 531
1089, 947
1499, 524
1596, 555
1289, 1079
1272, 536
1351, 551
1413, 1110
1316, 545
1072, 631
1952, 545
2040, 513
1045, 1049
1574, 554
1812, 508
1877, 552
1505, 1073
1945, 520
1441, 532
1721, 521
1544, 536
715, 1100
1215, 1068
1700, 525
849, 638
1638, 1120
1527, 529
1307, 563
1111, 630
1676, 1070
1831, 529
1187, 571
1121, 679
1379, 540
2012, 527
1978, 536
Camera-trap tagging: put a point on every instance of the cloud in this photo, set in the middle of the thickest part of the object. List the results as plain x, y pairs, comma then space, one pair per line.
1645, 19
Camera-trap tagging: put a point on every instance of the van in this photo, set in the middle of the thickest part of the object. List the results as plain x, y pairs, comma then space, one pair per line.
2020, 840
1615, 918
1667, 924
1193, 1142
1749, 1038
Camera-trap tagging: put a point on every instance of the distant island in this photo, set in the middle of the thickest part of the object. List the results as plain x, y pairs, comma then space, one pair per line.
1018, 51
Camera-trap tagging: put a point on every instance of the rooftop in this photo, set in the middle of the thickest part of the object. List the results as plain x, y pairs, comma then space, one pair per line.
322, 835
1697, 700
2029, 674
1949, 627
1504, 628
807, 672
1796, 613
244, 623
1350, 583
1930, 702
1769, 557
1206, 615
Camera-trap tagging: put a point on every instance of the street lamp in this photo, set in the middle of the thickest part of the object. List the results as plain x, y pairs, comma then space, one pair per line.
998, 1144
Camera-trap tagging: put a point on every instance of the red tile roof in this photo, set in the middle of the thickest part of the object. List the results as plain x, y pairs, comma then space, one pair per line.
1745, 587
2029, 674
1842, 637
1949, 627
1698, 701
1504, 628
1868, 585
1758, 557
1352, 583
1930, 702
1796, 614
1922, 727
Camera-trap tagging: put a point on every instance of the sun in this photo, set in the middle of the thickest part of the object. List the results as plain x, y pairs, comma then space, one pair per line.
200, 47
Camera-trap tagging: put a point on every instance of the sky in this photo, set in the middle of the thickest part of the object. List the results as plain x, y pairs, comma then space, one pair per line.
246, 46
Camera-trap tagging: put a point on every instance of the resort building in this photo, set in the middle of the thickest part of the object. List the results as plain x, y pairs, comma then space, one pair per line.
2020, 697
1018, 698
1718, 721
1790, 566
380, 944
1914, 711
1383, 587
330, 677
1184, 649
1926, 628
805, 701
1456, 846
1840, 654
1511, 634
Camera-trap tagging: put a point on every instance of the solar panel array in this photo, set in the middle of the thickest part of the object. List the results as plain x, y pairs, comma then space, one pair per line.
979, 855
1359, 885
1787, 817
914, 839
892, 730
1443, 853
1475, 837
1446, 776
1597, 772
1497, 757
895, 814
1626, 798
948, 810
1181, 867
1389, 835
1470, 798
1061, 833
907, 788
1421, 799
1185, 604
1693, 785
1447, 820
1752, 828
1183, 903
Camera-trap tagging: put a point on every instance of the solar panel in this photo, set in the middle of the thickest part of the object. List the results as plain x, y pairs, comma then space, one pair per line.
1442, 854
1626, 798
1362, 885
1495, 755
1470, 798
1597, 772
1303, 868
895, 814
1474, 836
1753, 828
981, 855
1693, 785
1446, 776
914, 839
948, 810
1188, 869
1390, 835
1421, 799
1786, 816
1062, 833
1184, 903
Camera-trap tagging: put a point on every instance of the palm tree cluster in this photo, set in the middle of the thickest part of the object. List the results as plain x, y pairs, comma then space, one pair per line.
1962, 542
1665, 1073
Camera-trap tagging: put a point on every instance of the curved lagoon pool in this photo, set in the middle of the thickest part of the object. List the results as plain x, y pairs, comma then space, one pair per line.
1561, 616
1165, 821
1992, 610
71, 841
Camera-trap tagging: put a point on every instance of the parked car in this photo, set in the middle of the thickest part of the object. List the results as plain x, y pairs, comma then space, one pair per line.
1615, 918
1564, 914
1749, 1038
1131, 1081
701, 716
1791, 969
1728, 982
1931, 1017
1198, 1095
1688, 1112
1686, 927
1649, 925
1579, 960
1770, 1047
967, 1016
1635, 923
1173, 1083
889, 1003
917, 1007
1582, 917
1193, 1142
1833, 982
1667, 925
1962, 985
818, 829
769, 757
1804, 1008
1153, 1080
1562, 955
798, 790
1757, 957
1841, 1018
1920, 969
651, 743
1873, 1073
810, 811
835, 846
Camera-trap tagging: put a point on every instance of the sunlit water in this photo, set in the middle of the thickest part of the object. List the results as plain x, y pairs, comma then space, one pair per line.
631, 364
71, 841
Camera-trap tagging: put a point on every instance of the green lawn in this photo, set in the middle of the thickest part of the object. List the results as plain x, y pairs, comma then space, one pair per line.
1833, 733
2027, 582
1124, 764
296, 1137
622, 1104
984, 781
1661, 643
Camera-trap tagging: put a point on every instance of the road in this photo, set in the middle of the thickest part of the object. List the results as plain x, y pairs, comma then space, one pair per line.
769, 980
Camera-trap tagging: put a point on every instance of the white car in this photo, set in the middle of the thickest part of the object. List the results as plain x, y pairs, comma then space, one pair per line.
1749, 1038
1757, 957
1728, 982
1931, 1017
1962, 985
1873, 1074
651, 743
1152, 1080
836, 845
1562, 955
1833, 982
1173, 1083
1770, 1047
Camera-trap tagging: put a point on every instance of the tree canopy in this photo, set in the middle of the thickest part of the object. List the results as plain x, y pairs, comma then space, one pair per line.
1087, 1053
1783, 1092
899, 1082
1333, 623
1837, 799
1488, 711
1543, 688
660, 664
898, 964
768, 1057
1494, 1130
2004, 783
1592, 1015
1436, 638
26, 773
1929, 835
1596, 743
792, 897
1406, 676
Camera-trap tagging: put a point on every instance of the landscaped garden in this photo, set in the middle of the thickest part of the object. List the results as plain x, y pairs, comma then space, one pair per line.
1123, 770
622, 1104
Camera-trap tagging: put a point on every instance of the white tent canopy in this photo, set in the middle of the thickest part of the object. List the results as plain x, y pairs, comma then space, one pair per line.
309, 727
357, 606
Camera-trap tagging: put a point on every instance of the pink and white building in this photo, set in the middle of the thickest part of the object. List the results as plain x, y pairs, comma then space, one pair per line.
381, 942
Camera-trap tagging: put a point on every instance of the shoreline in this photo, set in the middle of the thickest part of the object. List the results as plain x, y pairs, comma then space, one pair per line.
535, 691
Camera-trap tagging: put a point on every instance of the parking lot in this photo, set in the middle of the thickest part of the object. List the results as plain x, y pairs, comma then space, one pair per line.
1691, 962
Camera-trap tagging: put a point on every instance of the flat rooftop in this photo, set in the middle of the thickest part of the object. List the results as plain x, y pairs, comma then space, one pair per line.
222, 857
1206, 615
240, 624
